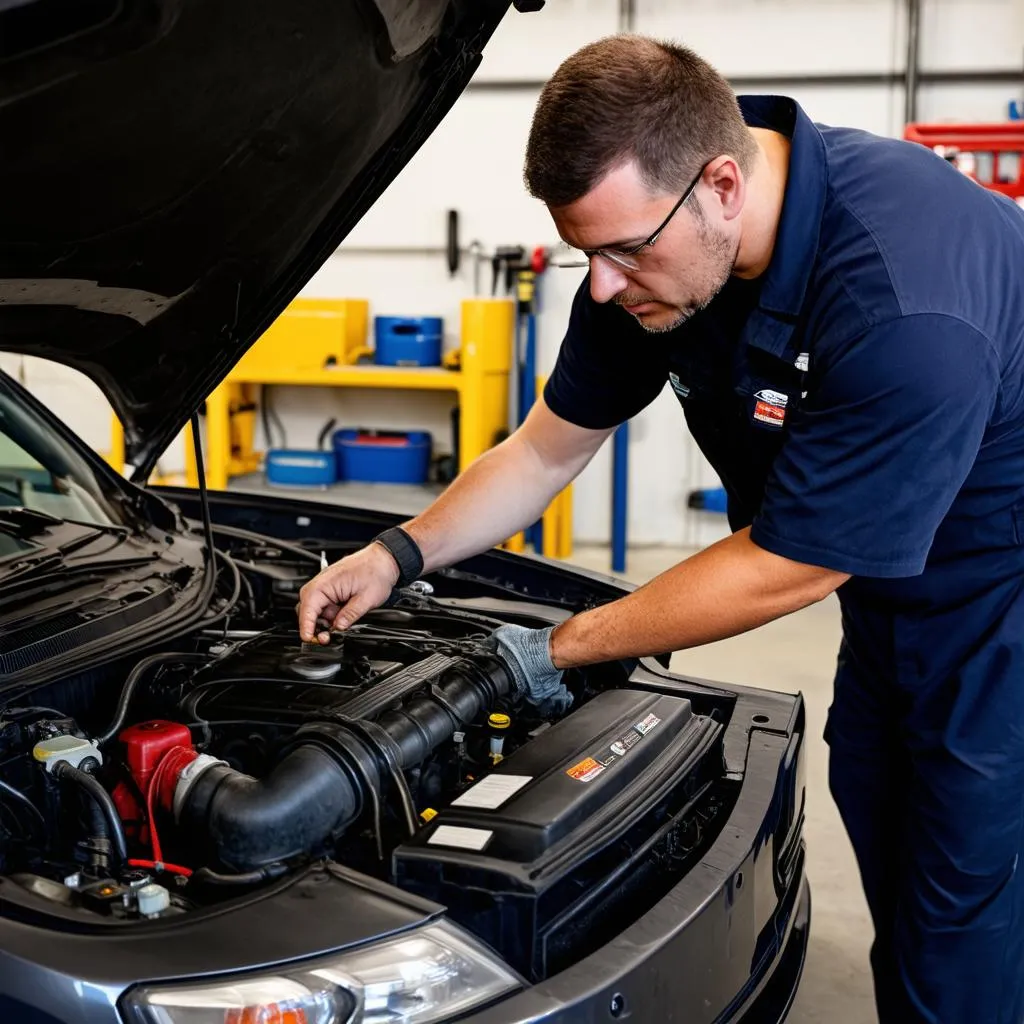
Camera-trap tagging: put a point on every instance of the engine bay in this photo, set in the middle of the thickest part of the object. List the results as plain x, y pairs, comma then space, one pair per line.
167, 784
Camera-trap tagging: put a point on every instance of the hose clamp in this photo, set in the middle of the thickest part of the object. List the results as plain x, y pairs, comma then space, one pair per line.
187, 779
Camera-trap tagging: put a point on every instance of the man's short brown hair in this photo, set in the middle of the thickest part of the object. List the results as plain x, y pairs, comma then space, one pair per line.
631, 97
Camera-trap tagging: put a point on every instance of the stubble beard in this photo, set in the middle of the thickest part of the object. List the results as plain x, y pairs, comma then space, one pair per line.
719, 258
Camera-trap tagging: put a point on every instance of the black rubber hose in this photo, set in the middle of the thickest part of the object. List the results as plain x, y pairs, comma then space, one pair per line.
268, 437
128, 690
309, 796
98, 832
266, 874
236, 590
324, 432
239, 534
64, 771
250, 823
204, 498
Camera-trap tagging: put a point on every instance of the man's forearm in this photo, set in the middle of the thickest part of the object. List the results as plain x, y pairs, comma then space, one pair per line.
727, 589
501, 493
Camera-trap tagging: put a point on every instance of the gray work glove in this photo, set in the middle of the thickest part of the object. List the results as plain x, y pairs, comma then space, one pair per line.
527, 653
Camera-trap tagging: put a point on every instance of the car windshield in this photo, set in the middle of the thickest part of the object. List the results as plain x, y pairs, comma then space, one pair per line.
42, 472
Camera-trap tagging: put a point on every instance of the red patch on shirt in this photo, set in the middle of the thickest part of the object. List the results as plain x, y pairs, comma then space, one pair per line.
768, 413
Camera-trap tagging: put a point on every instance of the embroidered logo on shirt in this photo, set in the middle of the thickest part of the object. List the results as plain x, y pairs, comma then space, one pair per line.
771, 407
678, 386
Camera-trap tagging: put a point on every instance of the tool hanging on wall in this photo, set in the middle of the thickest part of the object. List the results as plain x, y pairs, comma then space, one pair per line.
454, 252
505, 261
476, 254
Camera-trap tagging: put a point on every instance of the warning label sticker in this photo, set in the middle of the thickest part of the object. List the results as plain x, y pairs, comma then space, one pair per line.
644, 727
461, 838
490, 793
625, 742
586, 770
620, 747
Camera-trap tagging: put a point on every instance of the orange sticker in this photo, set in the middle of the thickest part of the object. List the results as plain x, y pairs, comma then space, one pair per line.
585, 770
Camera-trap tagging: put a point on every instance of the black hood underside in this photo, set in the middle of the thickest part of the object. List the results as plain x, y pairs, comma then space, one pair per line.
174, 171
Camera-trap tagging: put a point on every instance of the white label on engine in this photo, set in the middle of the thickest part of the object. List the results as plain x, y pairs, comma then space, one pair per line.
464, 838
492, 792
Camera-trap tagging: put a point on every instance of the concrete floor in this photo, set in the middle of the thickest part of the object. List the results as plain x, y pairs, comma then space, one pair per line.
794, 654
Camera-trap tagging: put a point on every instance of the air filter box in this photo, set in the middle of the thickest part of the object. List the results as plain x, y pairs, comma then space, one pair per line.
529, 847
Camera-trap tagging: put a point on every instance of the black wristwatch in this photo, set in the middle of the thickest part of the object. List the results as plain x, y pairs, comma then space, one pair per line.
406, 553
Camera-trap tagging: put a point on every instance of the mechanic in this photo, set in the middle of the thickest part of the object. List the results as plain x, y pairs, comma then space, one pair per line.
841, 317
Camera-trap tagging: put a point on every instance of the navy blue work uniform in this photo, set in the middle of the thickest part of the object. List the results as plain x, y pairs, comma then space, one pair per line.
863, 404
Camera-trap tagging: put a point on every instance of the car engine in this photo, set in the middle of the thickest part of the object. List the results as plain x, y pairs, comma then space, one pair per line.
226, 761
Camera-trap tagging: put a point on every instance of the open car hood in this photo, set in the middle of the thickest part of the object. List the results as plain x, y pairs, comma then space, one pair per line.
174, 171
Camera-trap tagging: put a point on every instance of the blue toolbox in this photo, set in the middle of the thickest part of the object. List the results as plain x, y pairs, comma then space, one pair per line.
383, 456
294, 467
408, 341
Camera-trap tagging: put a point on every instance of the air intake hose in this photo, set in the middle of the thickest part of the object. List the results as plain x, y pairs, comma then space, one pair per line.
322, 783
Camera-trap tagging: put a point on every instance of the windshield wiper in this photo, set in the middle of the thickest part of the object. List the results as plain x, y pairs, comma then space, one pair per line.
44, 562
95, 530
28, 521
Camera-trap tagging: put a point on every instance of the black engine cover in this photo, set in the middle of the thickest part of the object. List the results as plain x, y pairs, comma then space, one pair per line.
552, 835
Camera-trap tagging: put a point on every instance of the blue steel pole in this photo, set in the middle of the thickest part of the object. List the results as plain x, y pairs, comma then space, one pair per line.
620, 496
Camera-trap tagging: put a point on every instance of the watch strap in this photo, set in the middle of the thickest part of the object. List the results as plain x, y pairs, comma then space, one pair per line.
406, 553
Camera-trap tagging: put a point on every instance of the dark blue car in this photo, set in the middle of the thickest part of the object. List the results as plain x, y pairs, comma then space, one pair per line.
203, 821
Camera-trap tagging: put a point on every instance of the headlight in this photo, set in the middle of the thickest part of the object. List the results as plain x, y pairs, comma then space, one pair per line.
428, 975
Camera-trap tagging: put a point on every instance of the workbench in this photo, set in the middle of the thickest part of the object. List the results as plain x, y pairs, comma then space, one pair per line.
318, 343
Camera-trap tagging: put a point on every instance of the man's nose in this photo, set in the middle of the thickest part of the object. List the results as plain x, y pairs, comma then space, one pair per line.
606, 280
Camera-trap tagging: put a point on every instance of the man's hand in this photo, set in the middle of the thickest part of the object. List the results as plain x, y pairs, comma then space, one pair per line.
527, 653
345, 591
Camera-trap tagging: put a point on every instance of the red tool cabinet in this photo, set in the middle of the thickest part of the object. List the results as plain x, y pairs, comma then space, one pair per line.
992, 154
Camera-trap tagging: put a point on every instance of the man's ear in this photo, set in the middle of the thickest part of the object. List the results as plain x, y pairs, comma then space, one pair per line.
728, 186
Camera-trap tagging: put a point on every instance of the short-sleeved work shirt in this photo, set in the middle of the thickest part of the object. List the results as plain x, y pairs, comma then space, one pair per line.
863, 400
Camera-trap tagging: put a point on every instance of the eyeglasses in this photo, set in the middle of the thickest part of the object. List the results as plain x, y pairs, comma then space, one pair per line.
566, 255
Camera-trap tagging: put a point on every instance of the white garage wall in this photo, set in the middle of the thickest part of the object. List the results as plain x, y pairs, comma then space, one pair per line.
473, 164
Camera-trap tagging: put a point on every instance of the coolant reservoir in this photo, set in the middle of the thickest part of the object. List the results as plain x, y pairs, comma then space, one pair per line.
72, 749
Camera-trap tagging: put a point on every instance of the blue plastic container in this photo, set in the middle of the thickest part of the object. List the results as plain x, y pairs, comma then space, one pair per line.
293, 467
383, 457
408, 341
711, 499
